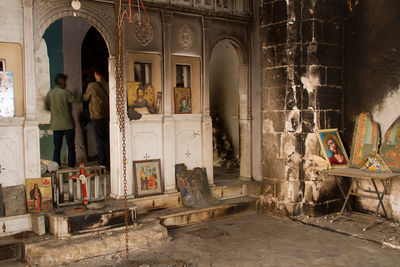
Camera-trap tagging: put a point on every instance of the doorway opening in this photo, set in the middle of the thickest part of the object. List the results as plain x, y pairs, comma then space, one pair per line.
224, 109
68, 46
94, 55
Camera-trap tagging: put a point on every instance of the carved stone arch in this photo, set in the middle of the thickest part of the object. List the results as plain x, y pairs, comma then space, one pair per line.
101, 16
237, 45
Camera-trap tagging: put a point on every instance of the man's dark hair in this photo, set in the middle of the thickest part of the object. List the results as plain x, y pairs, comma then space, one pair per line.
60, 78
98, 71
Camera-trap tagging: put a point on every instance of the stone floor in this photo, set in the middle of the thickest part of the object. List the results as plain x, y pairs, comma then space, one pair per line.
262, 240
254, 240
363, 226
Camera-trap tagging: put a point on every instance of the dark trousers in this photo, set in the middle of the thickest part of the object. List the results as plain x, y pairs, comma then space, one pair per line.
58, 139
102, 133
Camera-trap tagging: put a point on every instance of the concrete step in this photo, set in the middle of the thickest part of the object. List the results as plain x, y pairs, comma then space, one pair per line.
184, 216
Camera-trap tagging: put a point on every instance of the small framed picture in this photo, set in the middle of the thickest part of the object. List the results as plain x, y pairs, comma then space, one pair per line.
373, 162
332, 148
183, 100
39, 194
147, 177
2, 64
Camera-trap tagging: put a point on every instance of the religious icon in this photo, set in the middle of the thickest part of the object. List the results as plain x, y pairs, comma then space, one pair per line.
390, 147
194, 187
374, 162
147, 176
332, 148
141, 98
183, 101
365, 139
39, 194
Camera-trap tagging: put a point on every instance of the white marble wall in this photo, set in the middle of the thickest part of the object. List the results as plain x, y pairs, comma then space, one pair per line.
13, 165
11, 21
188, 140
12, 152
42, 71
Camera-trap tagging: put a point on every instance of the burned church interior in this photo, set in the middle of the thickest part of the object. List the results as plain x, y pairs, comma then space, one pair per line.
199, 133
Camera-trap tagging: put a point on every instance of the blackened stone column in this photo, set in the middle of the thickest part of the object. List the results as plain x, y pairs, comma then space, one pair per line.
301, 47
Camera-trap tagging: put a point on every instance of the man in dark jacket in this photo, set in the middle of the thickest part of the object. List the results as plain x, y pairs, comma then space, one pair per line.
97, 94
59, 102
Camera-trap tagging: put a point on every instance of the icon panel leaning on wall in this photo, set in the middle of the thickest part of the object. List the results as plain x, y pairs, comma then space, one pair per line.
332, 148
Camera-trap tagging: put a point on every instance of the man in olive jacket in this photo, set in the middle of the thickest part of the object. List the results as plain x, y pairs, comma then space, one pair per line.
59, 102
97, 93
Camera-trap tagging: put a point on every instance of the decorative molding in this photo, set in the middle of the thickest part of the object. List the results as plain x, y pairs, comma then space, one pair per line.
12, 122
186, 36
144, 33
99, 15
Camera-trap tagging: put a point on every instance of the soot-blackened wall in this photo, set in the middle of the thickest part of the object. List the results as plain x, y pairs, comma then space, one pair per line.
372, 74
302, 64
372, 62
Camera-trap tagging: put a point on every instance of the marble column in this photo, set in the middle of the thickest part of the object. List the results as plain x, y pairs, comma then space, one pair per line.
244, 122
206, 126
31, 129
168, 121
116, 152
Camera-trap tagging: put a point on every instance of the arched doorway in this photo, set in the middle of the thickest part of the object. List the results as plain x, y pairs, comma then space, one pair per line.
94, 54
229, 108
59, 51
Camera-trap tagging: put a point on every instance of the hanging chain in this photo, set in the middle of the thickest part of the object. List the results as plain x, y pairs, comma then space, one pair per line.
120, 89
120, 104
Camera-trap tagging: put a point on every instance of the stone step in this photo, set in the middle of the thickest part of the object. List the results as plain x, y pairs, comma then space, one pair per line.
184, 216
66, 221
150, 227
223, 190
11, 251
69, 221
107, 242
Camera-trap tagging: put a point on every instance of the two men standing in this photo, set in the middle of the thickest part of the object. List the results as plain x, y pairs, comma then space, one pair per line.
59, 102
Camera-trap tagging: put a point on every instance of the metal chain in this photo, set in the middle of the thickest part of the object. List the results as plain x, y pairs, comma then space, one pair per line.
120, 104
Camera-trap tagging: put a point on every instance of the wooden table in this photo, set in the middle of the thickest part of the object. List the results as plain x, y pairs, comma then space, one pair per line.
353, 173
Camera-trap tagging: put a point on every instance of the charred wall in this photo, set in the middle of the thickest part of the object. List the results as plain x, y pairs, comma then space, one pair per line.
372, 58
302, 65
372, 75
